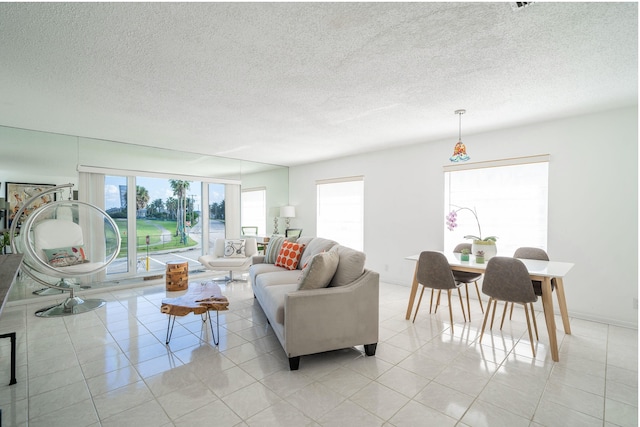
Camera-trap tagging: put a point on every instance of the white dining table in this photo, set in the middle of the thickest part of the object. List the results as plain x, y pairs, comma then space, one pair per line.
542, 271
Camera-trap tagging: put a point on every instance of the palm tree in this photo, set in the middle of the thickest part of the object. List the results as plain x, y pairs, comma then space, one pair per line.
180, 189
172, 207
155, 208
142, 198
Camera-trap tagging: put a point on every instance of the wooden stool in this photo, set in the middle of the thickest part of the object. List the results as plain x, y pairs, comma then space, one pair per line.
177, 276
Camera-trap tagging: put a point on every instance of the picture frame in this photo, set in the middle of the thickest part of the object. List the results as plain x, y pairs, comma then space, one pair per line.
17, 193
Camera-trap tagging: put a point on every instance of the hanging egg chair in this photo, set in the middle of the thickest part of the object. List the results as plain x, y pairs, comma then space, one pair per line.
69, 240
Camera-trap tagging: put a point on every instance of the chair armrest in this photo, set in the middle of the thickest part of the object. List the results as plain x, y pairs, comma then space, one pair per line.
258, 259
332, 318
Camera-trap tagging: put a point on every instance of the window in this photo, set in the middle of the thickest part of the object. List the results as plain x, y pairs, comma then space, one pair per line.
340, 214
253, 207
509, 197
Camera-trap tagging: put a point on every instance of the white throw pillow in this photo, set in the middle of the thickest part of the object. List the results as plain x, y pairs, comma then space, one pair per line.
234, 248
319, 271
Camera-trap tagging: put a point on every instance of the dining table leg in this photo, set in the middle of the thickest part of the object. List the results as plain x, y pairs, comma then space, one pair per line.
547, 302
562, 305
412, 295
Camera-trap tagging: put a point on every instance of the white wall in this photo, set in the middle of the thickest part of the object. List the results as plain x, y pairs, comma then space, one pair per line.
593, 203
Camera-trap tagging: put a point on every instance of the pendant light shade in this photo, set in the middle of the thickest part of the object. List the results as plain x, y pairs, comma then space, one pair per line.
459, 151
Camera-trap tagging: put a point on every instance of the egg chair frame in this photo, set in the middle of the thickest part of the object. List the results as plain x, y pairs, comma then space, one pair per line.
33, 263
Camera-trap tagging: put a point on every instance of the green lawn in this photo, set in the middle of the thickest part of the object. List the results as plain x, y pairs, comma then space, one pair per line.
161, 236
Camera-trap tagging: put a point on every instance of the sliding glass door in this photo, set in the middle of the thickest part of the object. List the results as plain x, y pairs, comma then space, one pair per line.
161, 220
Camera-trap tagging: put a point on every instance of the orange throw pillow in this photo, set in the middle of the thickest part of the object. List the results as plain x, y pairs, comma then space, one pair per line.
289, 255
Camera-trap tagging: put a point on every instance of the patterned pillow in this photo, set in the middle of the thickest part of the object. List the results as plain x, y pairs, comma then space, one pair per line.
273, 249
234, 248
289, 255
63, 257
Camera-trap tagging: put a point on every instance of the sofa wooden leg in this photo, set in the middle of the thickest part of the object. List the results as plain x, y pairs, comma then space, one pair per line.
370, 349
294, 363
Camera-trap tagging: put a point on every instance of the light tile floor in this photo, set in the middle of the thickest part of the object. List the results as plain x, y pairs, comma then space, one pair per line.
110, 367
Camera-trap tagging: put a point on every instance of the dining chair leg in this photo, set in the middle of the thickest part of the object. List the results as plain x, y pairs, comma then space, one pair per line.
466, 288
431, 301
493, 314
418, 306
511, 312
504, 313
450, 309
526, 312
479, 297
438, 300
486, 316
535, 324
464, 315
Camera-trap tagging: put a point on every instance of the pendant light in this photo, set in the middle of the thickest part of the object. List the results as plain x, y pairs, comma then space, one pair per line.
459, 151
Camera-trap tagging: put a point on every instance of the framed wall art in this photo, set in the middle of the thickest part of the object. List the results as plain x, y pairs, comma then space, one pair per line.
17, 193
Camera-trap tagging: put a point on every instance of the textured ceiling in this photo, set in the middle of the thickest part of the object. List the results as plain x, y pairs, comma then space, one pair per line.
291, 83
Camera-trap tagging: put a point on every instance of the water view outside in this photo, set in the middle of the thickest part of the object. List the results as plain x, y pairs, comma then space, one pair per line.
168, 223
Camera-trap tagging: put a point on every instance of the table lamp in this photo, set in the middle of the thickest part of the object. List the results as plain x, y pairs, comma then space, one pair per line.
287, 212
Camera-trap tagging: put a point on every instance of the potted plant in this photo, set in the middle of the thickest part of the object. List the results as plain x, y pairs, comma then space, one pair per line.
465, 255
486, 245
5, 242
480, 257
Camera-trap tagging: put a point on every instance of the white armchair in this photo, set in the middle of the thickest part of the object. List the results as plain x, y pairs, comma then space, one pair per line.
231, 255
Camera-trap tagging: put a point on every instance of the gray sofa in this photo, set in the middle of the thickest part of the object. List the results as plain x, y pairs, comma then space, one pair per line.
310, 316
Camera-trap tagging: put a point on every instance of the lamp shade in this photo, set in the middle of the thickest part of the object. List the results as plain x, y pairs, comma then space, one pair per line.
287, 211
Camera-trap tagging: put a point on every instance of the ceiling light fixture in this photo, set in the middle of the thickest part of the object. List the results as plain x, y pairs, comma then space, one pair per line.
459, 151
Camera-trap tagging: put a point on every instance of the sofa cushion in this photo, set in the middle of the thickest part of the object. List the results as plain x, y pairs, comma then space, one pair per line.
257, 269
314, 247
273, 249
272, 300
289, 255
319, 271
350, 265
275, 278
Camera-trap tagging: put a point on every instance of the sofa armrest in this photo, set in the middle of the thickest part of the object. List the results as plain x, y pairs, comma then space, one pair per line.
332, 318
258, 259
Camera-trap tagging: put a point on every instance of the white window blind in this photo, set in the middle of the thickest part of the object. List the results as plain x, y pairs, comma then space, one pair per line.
511, 203
254, 209
340, 211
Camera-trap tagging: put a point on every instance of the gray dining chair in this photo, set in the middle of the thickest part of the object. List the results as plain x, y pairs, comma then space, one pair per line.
507, 279
434, 272
527, 252
467, 278
293, 232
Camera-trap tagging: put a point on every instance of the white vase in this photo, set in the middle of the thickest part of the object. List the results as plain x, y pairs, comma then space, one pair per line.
488, 247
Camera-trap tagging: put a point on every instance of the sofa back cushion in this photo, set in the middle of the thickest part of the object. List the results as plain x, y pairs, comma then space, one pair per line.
313, 247
350, 265
319, 270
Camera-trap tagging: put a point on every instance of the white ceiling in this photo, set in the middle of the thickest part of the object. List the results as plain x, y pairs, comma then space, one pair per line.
291, 83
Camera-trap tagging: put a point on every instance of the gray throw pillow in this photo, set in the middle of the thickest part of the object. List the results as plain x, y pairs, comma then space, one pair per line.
273, 249
319, 271
350, 265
